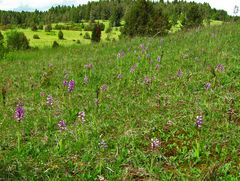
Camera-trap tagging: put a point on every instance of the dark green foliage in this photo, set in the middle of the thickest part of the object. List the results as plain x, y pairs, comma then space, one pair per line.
48, 28
34, 27
102, 26
60, 35
35, 36
1, 38
96, 33
2, 49
117, 14
86, 36
194, 16
143, 19
17, 41
106, 10
40, 27
55, 44
108, 30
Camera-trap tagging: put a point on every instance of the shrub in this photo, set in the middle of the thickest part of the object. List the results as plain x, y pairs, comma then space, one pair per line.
48, 28
36, 36
60, 35
34, 27
96, 33
102, 26
144, 19
2, 49
86, 36
1, 38
40, 27
81, 34
78, 42
17, 41
108, 30
55, 44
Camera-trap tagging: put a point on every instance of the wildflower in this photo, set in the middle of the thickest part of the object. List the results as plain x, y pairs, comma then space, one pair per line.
50, 100
19, 113
199, 121
147, 80
62, 125
155, 143
179, 73
169, 123
133, 68
65, 83
71, 85
207, 86
104, 87
81, 116
86, 79
157, 67
88, 66
120, 54
103, 144
42, 94
97, 102
158, 58
220, 68
119, 76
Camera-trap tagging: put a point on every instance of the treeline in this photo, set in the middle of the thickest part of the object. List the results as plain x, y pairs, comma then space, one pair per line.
113, 10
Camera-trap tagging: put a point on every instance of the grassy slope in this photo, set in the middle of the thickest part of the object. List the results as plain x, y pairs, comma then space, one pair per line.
130, 113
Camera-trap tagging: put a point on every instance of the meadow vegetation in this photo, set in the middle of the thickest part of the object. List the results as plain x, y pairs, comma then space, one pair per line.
137, 109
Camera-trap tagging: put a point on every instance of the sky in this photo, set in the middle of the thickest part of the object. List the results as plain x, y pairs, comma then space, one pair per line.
30, 5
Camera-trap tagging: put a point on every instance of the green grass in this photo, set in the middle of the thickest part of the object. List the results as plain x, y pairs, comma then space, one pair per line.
130, 112
70, 37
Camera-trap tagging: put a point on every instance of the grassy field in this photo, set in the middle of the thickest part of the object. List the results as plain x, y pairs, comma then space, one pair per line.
142, 100
70, 37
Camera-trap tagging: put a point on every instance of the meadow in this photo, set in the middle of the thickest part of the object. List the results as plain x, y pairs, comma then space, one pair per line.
163, 108
71, 37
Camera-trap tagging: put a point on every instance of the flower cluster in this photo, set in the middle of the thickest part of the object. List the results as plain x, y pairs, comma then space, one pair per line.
103, 144
71, 85
19, 113
86, 80
104, 88
62, 125
207, 86
220, 68
88, 66
179, 73
155, 143
49, 100
81, 116
199, 121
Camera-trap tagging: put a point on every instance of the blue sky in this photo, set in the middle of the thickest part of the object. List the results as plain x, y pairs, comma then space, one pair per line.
227, 5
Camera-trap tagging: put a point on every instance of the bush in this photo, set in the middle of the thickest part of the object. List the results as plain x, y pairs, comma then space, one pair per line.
86, 36
102, 26
40, 27
60, 35
1, 38
36, 36
48, 28
96, 33
17, 41
34, 27
144, 19
78, 42
2, 49
55, 44
108, 30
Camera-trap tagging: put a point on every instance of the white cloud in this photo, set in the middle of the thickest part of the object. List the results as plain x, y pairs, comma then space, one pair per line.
227, 5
